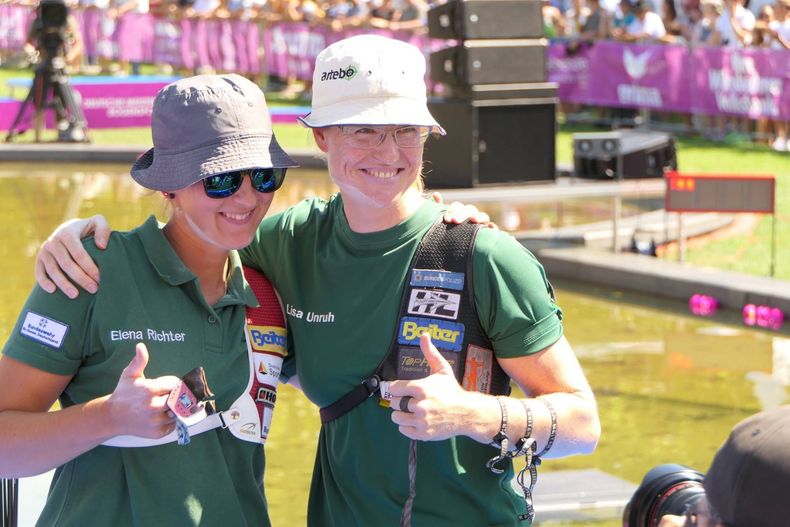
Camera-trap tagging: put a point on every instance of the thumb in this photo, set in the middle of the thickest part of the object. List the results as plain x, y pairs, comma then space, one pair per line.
435, 360
136, 368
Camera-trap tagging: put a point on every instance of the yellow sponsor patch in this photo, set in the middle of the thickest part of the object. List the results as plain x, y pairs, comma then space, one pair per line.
268, 338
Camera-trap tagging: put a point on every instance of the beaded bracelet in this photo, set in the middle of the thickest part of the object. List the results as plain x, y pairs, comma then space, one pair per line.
500, 440
532, 460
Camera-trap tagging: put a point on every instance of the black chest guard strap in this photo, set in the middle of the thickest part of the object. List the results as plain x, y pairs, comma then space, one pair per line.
438, 298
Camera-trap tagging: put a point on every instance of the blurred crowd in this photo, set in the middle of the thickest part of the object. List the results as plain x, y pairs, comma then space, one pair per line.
734, 23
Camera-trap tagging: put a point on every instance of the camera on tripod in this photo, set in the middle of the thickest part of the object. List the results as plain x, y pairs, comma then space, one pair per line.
52, 23
665, 489
51, 88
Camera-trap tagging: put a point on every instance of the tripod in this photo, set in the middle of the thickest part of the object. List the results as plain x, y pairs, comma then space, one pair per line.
51, 90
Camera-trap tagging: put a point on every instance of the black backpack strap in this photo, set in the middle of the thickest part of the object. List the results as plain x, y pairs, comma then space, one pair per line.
438, 297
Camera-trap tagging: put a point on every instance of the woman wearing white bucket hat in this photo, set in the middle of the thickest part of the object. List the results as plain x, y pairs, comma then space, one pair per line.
344, 266
369, 115
173, 298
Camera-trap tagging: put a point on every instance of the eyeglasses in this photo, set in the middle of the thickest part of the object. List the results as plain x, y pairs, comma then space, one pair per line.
371, 137
265, 180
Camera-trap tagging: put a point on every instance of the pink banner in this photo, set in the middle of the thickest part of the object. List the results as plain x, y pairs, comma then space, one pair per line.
570, 70
14, 21
714, 81
744, 82
755, 83
291, 47
119, 105
107, 102
638, 76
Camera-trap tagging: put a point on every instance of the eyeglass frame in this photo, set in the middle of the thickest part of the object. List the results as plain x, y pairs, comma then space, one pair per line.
425, 131
276, 174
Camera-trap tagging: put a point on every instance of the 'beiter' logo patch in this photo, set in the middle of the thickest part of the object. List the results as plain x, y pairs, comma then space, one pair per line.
444, 335
434, 303
268, 338
437, 278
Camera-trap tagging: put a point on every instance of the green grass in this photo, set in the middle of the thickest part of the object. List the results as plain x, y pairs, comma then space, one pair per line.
747, 253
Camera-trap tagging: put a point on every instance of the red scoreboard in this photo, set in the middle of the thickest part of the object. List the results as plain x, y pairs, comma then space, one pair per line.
719, 192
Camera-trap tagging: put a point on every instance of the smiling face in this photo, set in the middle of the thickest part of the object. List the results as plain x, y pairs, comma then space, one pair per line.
219, 225
376, 183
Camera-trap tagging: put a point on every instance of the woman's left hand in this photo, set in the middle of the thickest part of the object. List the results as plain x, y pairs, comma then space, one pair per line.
436, 407
458, 212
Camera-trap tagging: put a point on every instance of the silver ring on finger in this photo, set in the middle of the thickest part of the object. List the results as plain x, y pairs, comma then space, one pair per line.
404, 404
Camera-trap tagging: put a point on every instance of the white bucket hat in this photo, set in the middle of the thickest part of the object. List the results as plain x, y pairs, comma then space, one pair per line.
370, 79
206, 125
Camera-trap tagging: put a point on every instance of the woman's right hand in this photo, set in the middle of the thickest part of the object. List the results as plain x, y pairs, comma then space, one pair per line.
138, 405
62, 261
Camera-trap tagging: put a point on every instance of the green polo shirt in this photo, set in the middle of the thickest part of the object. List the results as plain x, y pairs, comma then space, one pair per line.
342, 293
147, 295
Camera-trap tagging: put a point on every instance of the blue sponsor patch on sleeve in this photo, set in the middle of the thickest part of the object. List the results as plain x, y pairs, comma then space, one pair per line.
437, 278
444, 334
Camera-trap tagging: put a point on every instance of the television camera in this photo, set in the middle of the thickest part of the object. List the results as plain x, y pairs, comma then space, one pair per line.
50, 88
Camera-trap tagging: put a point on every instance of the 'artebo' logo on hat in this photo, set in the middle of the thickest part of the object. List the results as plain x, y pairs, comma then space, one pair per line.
347, 73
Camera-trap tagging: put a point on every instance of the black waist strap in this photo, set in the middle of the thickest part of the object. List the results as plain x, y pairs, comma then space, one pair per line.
349, 401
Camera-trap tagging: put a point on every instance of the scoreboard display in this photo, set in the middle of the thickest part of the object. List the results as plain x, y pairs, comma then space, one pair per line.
720, 192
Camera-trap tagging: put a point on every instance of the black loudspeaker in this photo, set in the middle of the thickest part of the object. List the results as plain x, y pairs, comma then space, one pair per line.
478, 19
490, 62
623, 154
491, 142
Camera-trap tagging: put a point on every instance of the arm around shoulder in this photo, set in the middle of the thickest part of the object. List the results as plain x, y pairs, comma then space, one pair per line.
62, 260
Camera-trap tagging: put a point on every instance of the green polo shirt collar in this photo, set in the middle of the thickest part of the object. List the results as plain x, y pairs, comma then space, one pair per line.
173, 271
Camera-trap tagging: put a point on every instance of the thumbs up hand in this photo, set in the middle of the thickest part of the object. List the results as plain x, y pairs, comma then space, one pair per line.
435, 407
138, 404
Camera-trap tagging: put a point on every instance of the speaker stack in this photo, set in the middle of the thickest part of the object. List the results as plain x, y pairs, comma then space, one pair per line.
500, 111
623, 154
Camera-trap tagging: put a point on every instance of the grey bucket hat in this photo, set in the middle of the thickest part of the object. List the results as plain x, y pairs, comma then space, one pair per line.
206, 125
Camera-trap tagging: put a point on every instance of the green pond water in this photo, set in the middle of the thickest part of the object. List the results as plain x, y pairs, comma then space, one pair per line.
669, 385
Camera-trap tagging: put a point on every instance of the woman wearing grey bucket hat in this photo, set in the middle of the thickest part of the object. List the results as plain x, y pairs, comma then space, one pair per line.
371, 300
174, 297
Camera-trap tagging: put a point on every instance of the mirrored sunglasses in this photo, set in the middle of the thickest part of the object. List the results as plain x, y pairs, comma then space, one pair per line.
265, 180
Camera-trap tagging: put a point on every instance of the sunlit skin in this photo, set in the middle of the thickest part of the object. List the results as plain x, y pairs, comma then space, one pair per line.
221, 224
377, 183
203, 230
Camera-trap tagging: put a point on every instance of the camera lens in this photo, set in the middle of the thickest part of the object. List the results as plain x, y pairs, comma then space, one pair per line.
665, 489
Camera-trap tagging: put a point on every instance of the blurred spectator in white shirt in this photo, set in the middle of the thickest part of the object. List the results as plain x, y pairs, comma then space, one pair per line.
646, 26
702, 31
575, 17
780, 26
735, 25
